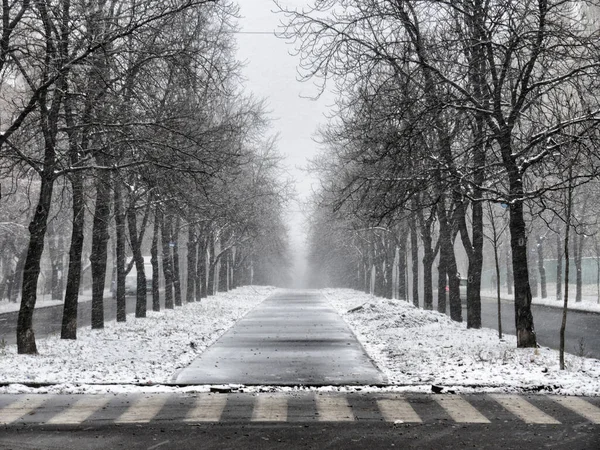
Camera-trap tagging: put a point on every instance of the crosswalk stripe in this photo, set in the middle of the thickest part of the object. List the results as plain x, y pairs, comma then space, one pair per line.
524, 410
143, 410
333, 409
461, 410
397, 410
270, 409
20, 408
581, 407
80, 411
208, 408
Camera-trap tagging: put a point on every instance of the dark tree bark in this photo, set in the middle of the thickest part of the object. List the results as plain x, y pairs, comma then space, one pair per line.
447, 250
176, 274
428, 257
136, 247
165, 228
201, 269
49, 108
31, 270
210, 267
518, 243
100, 236
69, 318
474, 252
120, 251
389, 249
563, 324
559, 266
154, 262
442, 283
192, 249
402, 241
414, 249
578, 256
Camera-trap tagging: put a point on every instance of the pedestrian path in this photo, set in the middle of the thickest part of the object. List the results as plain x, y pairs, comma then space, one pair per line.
288, 407
292, 338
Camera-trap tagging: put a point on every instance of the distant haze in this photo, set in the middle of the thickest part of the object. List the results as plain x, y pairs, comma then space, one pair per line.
270, 73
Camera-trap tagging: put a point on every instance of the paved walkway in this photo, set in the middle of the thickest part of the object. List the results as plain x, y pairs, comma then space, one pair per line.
292, 338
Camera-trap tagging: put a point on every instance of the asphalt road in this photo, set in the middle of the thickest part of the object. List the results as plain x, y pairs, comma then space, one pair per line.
47, 320
582, 334
298, 420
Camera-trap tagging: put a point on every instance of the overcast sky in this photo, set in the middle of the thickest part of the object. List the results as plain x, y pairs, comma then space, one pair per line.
271, 73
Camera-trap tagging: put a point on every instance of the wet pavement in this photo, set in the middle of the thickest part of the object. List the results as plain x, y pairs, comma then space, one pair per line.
292, 338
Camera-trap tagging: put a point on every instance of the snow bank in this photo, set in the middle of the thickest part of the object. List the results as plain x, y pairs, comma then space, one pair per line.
146, 351
416, 347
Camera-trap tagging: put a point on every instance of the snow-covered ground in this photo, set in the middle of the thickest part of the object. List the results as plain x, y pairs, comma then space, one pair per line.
416, 347
141, 351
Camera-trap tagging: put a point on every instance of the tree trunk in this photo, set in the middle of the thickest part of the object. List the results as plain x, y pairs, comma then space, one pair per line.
138, 258
192, 248
518, 243
475, 268
563, 325
578, 266
100, 236
447, 250
216, 266
428, 259
414, 248
497, 266
167, 261
559, 266
442, 284
69, 318
120, 252
202, 269
31, 270
176, 272
154, 262
402, 267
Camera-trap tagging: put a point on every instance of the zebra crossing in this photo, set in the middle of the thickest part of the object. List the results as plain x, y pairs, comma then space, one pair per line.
296, 407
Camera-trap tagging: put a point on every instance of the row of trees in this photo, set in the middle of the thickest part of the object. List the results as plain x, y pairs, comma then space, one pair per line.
132, 110
443, 108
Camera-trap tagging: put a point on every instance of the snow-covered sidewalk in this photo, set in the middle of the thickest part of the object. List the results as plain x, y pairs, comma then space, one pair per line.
414, 348
140, 351
422, 348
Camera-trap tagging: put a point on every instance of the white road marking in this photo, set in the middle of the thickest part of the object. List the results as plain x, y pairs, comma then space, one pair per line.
524, 410
460, 410
79, 411
397, 410
581, 407
333, 409
270, 409
208, 408
143, 410
20, 408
